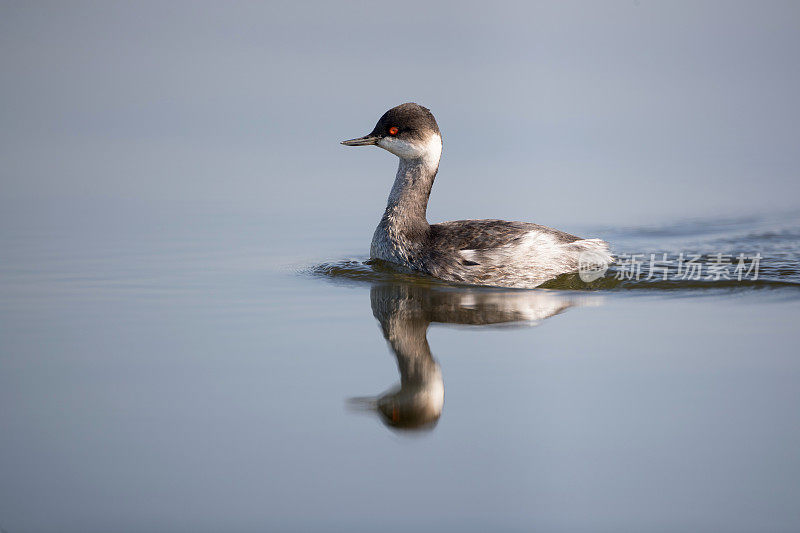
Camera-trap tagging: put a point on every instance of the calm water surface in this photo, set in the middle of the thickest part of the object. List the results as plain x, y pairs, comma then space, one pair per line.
231, 373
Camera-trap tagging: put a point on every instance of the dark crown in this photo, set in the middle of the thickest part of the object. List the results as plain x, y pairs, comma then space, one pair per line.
412, 121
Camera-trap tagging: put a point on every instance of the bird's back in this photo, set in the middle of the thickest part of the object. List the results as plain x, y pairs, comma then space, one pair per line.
503, 253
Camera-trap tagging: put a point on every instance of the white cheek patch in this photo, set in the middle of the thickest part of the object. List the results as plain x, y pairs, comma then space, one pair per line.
430, 150
433, 150
401, 148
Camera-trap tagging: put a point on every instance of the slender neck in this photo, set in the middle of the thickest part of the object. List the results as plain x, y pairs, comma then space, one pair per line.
408, 200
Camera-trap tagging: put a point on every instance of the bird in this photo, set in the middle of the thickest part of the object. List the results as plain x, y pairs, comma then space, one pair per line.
491, 252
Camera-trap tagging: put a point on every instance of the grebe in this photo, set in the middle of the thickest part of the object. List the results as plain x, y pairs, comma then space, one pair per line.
477, 252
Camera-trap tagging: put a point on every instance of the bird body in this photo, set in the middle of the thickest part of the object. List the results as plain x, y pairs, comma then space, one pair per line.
479, 252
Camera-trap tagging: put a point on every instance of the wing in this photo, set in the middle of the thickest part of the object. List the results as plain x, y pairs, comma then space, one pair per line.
512, 254
486, 234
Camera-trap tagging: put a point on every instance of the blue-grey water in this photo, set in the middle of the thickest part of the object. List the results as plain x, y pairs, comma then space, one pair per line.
198, 374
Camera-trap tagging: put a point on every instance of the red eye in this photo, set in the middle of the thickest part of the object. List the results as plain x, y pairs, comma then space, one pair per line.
393, 130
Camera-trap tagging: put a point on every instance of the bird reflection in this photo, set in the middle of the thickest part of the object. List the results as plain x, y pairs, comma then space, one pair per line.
405, 310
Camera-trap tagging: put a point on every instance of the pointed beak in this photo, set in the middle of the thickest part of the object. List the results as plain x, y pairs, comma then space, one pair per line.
366, 140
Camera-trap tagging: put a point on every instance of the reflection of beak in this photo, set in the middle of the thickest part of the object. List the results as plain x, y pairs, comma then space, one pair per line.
366, 140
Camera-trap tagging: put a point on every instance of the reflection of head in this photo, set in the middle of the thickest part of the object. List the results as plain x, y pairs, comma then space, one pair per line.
413, 407
405, 311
